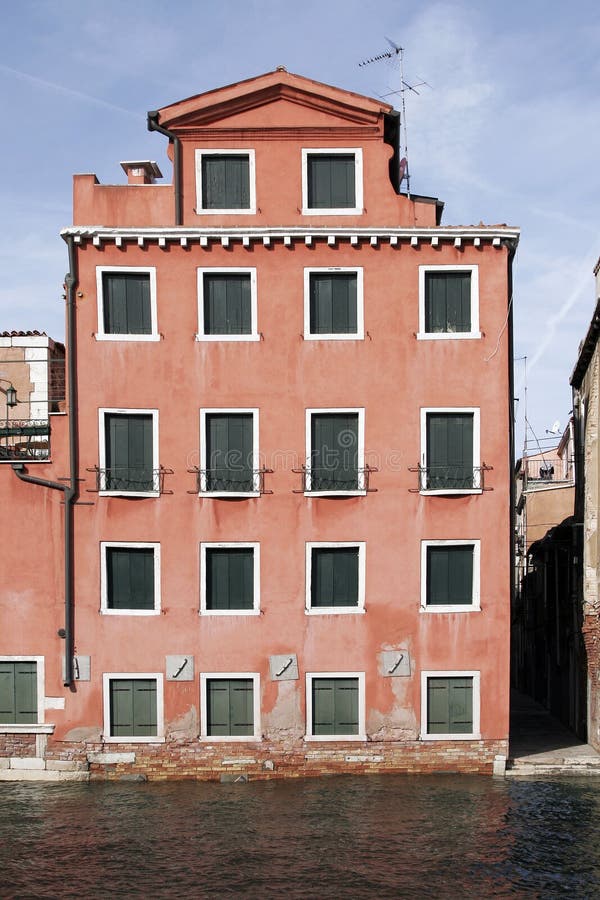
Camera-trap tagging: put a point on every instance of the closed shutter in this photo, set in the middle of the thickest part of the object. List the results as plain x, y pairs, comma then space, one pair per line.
333, 304
229, 452
335, 706
230, 707
331, 181
18, 693
334, 463
334, 576
230, 578
130, 577
129, 452
126, 302
133, 707
450, 705
227, 304
449, 450
449, 575
447, 302
225, 182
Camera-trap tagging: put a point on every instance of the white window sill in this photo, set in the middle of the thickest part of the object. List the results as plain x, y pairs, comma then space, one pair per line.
133, 739
344, 211
129, 493
230, 612
335, 493
130, 612
451, 491
223, 338
449, 336
230, 738
464, 607
241, 211
451, 737
127, 337
334, 337
228, 495
329, 738
335, 611
26, 729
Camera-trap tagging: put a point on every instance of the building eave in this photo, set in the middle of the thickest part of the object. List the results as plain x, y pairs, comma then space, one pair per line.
587, 348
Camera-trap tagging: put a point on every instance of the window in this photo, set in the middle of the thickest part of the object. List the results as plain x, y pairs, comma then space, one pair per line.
126, 303
229, 452
450, 441
450, 575
133, 707
332, 181
448, 302
335, 451
130, 578
225, 181
333, 304
230, 579
19, 692
335, 706
129, 452
335, 577
230, 707
449, 705
227, 305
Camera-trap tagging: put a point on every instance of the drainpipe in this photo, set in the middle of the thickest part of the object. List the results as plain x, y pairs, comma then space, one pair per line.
154, 126
511, 432
70, 488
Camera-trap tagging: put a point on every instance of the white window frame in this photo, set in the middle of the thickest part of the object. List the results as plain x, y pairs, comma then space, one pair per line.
358, 180
255, 451
476, 676
425, 411
102, 448
452, 607
101, 334
339, 738
134, 545
474, 333
335, 610
361, 492
218, 270
242, 151
359, 334
226, 738
230, 545
159, 738
38, 727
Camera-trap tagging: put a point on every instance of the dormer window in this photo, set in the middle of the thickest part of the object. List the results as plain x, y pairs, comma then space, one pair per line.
332, 181
225, 181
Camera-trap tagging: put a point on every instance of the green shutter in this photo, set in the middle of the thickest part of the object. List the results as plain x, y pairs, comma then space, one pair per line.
133, 707
230, 578
18, 693
450, 705
130, 577
334, 576
449, 575
129, 452
229, 452
227, 304
335, 706
229, 707
333, 303
225, 181
447, 302
334, 457
449, 450
331, 181
126, 303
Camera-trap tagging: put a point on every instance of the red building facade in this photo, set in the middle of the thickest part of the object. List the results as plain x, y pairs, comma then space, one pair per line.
281, 491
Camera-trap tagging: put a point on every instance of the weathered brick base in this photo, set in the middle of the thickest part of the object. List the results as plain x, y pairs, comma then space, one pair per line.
17, 745
269, 760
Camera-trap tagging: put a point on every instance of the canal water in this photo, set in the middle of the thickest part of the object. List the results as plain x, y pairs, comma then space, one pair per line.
377, 836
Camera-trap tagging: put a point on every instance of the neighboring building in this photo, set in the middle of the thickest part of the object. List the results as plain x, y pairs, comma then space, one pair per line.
547, 652
585, 382
288, 519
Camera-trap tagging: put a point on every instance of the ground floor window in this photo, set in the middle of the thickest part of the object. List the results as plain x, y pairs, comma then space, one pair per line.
133, 707
450, 704
230, 706
18, 692
335, 704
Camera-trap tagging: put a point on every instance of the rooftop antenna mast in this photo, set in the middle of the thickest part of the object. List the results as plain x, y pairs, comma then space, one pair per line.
396, 52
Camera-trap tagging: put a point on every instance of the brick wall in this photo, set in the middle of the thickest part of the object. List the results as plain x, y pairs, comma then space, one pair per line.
17, 745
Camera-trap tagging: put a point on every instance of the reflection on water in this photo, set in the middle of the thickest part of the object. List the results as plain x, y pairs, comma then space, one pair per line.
376, 836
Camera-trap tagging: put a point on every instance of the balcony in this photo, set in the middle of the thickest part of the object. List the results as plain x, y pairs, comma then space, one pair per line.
451, 479
230, 481
25, 439
131, 480
335, 481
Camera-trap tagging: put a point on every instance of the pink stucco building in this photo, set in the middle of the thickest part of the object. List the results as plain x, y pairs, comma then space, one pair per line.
274, 532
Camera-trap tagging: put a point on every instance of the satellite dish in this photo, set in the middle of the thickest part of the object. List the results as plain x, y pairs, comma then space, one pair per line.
402, 169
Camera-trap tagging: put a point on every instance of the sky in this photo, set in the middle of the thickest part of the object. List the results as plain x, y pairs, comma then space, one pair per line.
505, 131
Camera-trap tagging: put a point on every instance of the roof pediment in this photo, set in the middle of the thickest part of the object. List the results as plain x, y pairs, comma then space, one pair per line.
277, 99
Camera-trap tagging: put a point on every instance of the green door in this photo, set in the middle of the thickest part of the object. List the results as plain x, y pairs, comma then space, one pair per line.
334, 458
229, 452
230, 706
449, 451
129, 452
18, 693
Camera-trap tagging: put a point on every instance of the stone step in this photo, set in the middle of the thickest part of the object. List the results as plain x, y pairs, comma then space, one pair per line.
36, 768
574, 766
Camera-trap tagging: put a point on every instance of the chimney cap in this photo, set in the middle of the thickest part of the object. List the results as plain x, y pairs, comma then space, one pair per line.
150, 168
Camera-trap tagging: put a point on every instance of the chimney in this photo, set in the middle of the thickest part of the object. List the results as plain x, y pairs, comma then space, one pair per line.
141, 171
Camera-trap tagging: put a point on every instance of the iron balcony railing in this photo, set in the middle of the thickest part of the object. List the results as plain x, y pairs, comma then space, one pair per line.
548, 469
451, 478
131, 479
25, 439
223, 480
335, 480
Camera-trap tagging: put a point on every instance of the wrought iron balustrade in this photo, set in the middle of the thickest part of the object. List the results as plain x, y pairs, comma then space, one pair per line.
451, 478
223, 480
25, 439
335, 480
131, 479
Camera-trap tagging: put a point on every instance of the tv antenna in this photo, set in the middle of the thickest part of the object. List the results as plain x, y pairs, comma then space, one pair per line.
397, 53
